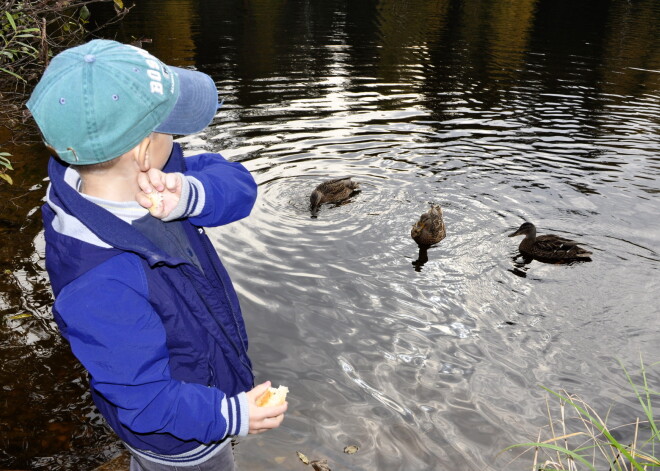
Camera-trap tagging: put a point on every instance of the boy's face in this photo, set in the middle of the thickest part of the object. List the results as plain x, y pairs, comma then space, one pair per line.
160, 149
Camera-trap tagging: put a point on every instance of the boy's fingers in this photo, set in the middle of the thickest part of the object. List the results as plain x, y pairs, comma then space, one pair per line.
259, 390
267, 423
270, 416
273, 422
156, 177
172, 181
144, 183
272, 411
143, 200
277, 411
155, 180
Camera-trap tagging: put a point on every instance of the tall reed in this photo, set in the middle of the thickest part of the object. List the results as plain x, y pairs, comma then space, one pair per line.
578, 437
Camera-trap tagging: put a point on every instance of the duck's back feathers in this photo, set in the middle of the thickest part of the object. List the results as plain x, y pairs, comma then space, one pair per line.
430, 229
332, 191
554, 247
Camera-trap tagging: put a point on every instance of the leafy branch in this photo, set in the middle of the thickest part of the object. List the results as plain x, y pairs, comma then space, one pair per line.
31, 32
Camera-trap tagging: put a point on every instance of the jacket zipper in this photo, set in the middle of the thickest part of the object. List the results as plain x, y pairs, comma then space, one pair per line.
231, 306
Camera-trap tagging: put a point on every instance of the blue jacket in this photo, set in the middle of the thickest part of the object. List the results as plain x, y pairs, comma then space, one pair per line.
164, 343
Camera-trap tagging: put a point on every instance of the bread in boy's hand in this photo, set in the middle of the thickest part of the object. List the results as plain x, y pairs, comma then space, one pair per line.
273, 397
156, 198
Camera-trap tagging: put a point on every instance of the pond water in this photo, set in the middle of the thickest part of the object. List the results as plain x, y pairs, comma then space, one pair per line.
500, 111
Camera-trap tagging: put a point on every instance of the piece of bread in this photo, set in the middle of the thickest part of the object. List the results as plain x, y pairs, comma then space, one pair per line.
273, 397
156, 198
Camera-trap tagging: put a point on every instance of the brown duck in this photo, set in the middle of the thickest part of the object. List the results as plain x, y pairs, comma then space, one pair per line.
430, 229
549, 247
332, 191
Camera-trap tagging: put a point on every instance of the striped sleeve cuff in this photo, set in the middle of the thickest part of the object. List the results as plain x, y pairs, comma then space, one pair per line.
191, 201
235, 411
245, 415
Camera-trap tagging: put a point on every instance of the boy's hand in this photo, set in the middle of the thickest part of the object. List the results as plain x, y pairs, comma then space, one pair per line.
263, 418
160, 192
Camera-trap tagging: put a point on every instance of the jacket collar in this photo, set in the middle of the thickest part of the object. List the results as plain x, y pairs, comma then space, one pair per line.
79, 218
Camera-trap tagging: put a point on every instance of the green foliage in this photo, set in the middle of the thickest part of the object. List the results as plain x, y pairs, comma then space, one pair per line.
597, 445
17, 36
32, 30
5, 165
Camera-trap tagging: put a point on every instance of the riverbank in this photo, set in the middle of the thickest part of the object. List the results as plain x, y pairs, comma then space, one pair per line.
120, 462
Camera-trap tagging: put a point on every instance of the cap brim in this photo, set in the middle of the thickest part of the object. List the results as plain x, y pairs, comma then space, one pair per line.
196, 106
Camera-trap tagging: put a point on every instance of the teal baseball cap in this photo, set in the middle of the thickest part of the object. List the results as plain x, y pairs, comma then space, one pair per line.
97, 101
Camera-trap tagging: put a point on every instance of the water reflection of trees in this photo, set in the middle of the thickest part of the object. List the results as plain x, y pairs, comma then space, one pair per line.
485, 48
631, 48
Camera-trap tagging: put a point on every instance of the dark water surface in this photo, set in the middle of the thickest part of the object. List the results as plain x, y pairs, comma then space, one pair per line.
501, 112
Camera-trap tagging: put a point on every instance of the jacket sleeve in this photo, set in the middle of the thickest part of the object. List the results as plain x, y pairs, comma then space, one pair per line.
118, 337
220, 191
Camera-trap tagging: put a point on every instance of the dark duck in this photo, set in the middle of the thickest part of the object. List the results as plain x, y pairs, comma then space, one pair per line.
430, 229
549, 247
332, 191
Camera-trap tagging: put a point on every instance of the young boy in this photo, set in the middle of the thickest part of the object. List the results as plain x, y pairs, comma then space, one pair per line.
140, 293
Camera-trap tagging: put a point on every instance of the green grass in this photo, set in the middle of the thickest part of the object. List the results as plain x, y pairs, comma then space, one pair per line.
578, 438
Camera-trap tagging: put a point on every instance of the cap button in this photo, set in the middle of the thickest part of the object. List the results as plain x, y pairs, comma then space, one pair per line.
90, 58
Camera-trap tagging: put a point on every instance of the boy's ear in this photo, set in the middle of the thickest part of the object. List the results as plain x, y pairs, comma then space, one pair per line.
142, 154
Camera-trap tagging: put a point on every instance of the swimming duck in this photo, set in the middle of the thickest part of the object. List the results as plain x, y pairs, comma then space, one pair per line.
548, 247
430, 229
332, 191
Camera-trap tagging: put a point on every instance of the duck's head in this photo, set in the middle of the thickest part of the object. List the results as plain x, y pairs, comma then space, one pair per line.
436, 209
526, 229
315, 201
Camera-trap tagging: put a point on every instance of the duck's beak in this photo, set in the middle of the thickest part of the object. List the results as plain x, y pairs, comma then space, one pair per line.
515, 233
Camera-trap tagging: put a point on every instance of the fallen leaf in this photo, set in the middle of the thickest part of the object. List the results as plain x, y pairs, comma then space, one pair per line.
320, 465
19, 316
302, 457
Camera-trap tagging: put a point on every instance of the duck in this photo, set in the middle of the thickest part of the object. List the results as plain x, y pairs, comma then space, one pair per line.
332, 191
430, 229
549, 247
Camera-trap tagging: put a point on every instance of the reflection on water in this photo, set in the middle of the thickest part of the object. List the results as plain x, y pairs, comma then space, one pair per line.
502, 112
